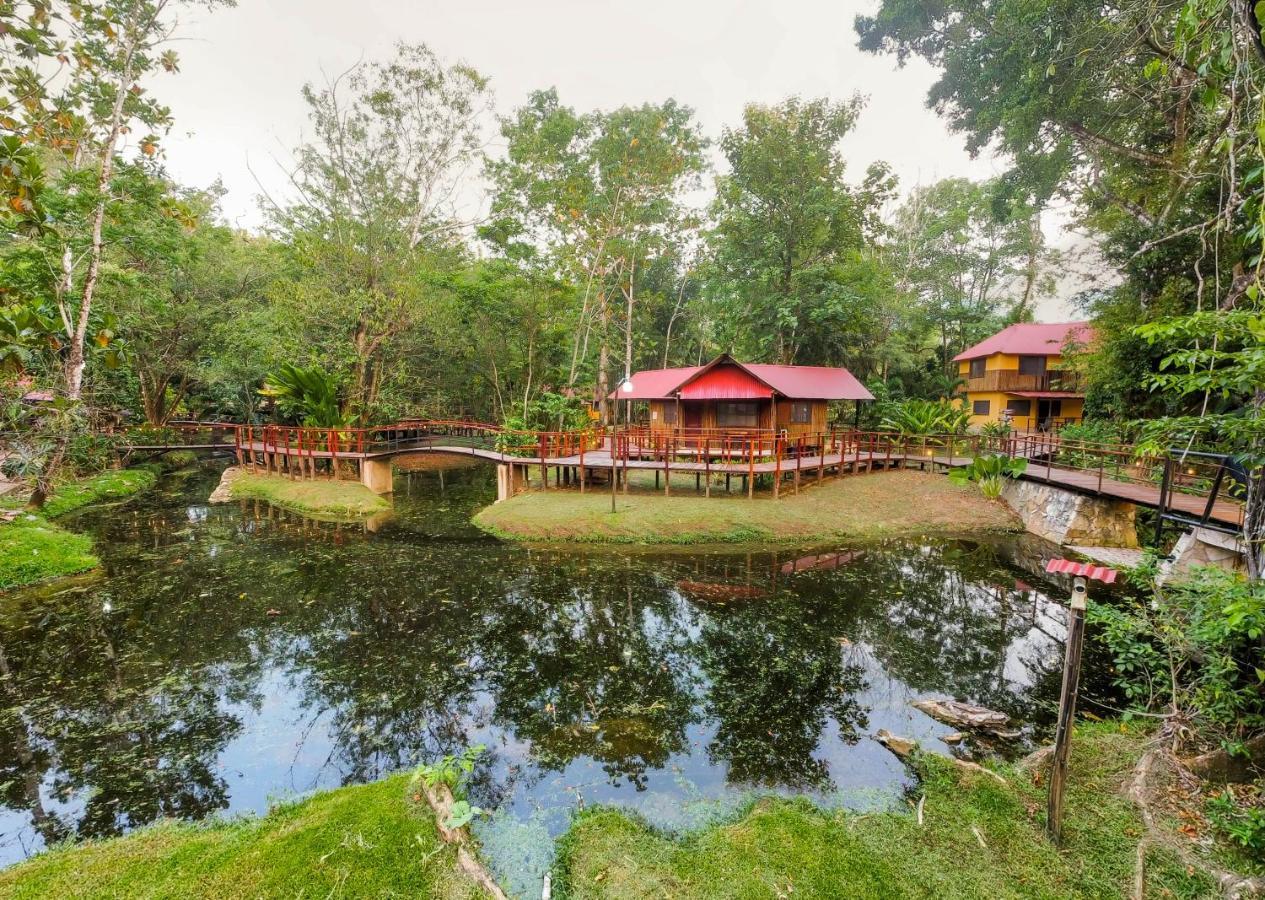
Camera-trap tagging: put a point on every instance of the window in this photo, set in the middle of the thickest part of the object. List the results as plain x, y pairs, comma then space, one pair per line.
801, 412
737, 415
1032, 365
1019, 407
669, 414
980, 407
978, 366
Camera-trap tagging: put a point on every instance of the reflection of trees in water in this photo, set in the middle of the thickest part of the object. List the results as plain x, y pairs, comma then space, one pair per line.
120, 714
591, 658
945, 619
776, 673
405, 648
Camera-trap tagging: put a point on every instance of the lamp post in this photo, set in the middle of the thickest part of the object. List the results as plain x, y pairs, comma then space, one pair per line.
625, 387
1071, 683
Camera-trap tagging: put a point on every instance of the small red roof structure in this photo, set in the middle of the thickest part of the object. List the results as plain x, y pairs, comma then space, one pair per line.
1085, 570
724, 378
1030, 339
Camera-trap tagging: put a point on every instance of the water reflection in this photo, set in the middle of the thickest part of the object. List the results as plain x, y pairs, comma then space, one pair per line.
229, 654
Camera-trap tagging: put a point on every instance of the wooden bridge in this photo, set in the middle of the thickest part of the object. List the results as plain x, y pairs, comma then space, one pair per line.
1189, 490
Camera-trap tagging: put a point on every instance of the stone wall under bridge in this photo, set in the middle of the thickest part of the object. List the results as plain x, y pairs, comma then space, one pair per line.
1065, 517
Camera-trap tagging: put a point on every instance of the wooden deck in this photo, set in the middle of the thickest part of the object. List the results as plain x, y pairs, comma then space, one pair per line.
846, 453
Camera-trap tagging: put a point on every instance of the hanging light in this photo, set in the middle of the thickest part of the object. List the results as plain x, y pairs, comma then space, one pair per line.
627, 386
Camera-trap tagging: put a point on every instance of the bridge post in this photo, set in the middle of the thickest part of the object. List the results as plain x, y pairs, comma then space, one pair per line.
375, 474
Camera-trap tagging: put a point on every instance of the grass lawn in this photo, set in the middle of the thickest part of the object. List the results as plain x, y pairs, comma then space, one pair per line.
877, 505
320, 498
366, 841
980, 839
33, 549
790, 849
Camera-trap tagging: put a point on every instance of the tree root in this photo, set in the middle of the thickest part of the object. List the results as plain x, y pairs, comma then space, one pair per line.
1232, 885
440, 799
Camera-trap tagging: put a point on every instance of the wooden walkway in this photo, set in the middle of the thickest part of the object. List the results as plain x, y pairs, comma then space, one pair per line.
847, 453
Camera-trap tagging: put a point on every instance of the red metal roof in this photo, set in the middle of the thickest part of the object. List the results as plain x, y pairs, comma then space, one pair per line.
1030, 339
757, 380
724, 382
655, 384
811, 382
1085, 570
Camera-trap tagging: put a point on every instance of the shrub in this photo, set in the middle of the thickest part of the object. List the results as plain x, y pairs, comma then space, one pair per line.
926, 417
1191, 651
989, 473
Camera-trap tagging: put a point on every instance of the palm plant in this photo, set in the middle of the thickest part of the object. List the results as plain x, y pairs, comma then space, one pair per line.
989, 472
310, 395
925, 417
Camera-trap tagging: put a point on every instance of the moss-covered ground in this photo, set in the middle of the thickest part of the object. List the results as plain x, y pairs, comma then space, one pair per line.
320, 498
863, 506
366, 841
34, 549
979, 839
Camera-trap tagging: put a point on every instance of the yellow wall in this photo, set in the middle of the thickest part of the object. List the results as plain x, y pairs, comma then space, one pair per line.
1006, 362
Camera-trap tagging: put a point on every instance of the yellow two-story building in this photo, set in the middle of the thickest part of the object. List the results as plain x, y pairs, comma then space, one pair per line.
1018, 375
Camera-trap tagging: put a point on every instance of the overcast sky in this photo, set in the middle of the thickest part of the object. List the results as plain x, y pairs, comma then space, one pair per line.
237, 106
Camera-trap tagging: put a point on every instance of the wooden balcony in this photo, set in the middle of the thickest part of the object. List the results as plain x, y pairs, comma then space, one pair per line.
1011, 380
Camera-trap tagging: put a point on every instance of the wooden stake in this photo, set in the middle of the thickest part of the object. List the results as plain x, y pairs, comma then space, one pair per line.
1067, 711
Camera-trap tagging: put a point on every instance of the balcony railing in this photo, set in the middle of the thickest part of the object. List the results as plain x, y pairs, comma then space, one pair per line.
1011, 380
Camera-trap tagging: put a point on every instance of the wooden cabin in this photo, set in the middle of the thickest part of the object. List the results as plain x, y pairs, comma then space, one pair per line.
729, 396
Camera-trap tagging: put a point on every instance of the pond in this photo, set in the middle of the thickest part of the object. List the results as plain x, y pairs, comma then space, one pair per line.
233, 655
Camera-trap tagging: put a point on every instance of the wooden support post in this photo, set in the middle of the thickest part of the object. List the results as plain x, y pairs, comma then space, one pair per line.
1067, 711
707, 464
799, 460
582, 479
821, 458
777, 466
544, 469
667, 469
751, 467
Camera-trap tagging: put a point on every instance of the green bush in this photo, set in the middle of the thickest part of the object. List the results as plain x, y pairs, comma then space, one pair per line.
989, 472
926, 417
1193, 651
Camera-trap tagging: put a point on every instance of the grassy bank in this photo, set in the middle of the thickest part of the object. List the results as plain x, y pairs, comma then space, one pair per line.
787, 848
367, 841
320, 499
979, 838
34, 549
868, 506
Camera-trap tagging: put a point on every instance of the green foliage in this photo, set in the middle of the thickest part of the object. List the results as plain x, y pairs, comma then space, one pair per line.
926, 417
454, 771
309, 395
32, 550
1192, 651
989, 472
1243, 826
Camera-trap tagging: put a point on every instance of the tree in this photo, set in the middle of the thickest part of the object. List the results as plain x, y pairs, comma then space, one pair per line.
375, 191
594, 198
784, 218
971, 258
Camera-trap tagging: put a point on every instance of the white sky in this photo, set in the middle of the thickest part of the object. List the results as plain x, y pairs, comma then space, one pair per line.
237, 106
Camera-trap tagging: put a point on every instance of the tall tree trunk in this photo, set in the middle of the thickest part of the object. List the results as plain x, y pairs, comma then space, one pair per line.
604, 359
76, 358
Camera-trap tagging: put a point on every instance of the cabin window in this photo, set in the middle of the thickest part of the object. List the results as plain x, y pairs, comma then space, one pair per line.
737, 415
801, 412
981, 407
978, 366
1032, 365
1019, 407
669, 414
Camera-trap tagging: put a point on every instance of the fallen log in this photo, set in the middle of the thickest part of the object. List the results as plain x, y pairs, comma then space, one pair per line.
901, 746
440, 800
966, 715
